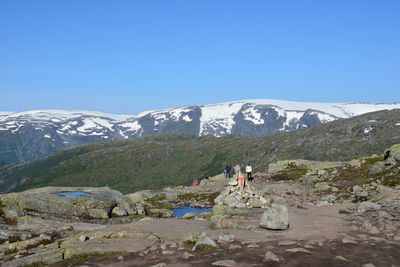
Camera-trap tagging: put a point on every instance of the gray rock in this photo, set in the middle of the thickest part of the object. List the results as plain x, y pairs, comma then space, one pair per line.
308, 179
348, 240
226, 263
270, 257
255, 202
83, 238
189, 215
368, 206
287, 243
376, 168
226, 238
355, 163
330, 198
357, 189
397, 157
341, 258
368, 227
187, 255
322, 186
297, 250
205, 240
275, 218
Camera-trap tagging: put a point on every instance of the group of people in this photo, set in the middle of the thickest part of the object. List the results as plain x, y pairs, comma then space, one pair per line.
228, 173
237, 171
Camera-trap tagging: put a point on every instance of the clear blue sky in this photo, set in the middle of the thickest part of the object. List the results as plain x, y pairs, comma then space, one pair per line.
125, 57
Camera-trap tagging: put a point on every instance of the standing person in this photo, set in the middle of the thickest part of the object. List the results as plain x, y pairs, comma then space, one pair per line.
237, 170
249, 169
228, 170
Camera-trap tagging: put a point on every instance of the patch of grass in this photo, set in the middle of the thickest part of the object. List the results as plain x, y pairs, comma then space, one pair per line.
84, 257
158, 202
36, 264
198, 197
11, 251
292, 172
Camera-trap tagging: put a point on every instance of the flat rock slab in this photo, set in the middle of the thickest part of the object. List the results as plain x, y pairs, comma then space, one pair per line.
97, 203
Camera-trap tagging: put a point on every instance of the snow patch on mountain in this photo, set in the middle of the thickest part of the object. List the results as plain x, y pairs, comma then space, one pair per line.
252, 115
219, 116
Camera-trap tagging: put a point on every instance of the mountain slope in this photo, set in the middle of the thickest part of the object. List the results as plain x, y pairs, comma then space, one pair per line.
166, 160
35, 134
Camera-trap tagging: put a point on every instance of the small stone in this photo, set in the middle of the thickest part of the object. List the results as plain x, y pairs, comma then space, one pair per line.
226, 263
270, 257
296, 250
341, 258
235, 247
167, 252
162, 264
83, 238
368, 265
121, 258
153, 238
253, 245
287, 243
187, 255
225, 238
348, 240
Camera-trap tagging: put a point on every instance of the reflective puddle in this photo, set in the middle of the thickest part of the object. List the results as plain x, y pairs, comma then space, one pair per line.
72, 194
179, 212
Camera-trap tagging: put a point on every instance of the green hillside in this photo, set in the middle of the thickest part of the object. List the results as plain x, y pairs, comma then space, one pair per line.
167, 160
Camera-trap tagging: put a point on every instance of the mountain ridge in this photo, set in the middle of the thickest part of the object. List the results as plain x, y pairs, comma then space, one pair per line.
35, 134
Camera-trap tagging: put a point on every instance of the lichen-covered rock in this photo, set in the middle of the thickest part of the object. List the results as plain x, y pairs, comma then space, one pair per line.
275, 218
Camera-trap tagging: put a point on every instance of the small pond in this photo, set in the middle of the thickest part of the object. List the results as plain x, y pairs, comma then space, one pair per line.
72, 194
179, 212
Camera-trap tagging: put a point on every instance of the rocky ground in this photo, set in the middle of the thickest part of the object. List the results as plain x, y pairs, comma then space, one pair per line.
301, 213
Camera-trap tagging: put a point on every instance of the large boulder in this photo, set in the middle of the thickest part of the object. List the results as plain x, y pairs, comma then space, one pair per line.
275, 218
393, 153
95, 203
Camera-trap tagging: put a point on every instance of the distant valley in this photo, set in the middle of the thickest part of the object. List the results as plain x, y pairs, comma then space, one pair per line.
158, 161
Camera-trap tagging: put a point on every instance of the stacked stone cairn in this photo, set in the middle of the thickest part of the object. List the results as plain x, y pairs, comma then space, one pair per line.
235, 196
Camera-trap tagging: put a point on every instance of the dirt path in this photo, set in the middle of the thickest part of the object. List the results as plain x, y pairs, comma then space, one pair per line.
331, 253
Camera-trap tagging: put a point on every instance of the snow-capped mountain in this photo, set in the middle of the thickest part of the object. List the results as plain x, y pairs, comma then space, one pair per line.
33, 134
